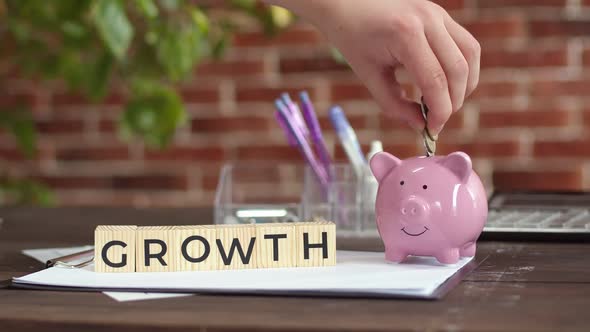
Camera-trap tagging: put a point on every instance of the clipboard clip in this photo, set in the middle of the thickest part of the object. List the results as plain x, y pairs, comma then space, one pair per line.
72, 261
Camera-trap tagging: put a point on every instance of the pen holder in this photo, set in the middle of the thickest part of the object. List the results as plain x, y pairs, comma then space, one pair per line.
250, 193
348, 201
263, 193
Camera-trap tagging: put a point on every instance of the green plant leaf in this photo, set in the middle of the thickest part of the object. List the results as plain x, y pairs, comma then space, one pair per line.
20, 124
24, 192
99, 75
154, 113
113, 26
170, 4
148, 8
200, 20
179, 49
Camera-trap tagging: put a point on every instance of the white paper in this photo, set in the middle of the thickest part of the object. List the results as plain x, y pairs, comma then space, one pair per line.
136, 296
45, 254
355, 272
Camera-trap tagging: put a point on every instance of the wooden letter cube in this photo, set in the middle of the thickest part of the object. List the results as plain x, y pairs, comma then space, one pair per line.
236, 247
156, 245
316, 244
276, 245
197, 250
114, 249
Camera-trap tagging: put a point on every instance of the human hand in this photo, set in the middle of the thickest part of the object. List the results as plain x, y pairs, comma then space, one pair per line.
380, 37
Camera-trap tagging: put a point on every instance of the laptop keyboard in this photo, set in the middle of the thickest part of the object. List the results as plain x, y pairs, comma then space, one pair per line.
564, 220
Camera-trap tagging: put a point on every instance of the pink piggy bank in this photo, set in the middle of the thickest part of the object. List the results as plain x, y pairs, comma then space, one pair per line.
429, 206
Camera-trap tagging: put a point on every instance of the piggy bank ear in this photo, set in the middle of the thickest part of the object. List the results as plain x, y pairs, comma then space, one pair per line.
459, 163
382, 163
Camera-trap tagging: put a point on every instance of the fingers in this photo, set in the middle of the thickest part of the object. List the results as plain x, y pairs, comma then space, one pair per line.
423, 66
390, 97
451, 59
470, 49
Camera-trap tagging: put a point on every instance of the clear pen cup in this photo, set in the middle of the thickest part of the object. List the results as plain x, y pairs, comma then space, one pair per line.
349, 201
253, 192
263, 193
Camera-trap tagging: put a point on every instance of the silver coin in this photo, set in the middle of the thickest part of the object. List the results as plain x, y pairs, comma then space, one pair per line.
429, 140
429, 144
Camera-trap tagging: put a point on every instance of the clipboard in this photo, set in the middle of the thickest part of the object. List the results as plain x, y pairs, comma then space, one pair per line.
438, 293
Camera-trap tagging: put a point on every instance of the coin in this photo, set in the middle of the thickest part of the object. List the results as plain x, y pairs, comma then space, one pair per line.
429, 144
429, 139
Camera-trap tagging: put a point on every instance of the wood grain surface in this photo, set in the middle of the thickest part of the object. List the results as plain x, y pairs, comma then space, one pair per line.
519, 287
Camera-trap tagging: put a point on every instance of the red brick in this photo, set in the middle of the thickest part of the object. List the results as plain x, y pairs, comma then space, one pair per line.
574, 148
60, 126
15, 154
269, 153
107, 126
311, 64
75, 99
11, 154
586, 2
496, 28
560, 88
539, 180
349, 91
230, 68
586, 56
401, 150
20, 99
150, 182
93, 154
524, 58
248, 93
495, 89
521, 3
76, 182
297, 36
586, 116
559, 28
456, 121
524, 119
210, 182
451, 4
181, 153
230, 124
199, 95
499, 149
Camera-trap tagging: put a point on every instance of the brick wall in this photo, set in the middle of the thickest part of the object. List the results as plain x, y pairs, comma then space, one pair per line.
525, 126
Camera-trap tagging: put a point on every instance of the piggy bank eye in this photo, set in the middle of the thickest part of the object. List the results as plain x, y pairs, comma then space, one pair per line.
401, 183
424, 187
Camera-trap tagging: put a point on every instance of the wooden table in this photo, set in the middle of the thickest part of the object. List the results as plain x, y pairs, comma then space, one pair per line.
519, 287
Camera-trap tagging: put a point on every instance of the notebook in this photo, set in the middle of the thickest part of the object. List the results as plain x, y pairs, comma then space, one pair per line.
356, 274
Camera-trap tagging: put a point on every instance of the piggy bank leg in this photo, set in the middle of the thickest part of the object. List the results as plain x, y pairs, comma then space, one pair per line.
468, 250
395, 255
448, 256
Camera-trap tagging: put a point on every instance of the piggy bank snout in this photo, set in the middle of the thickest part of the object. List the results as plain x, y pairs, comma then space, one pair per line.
414, 208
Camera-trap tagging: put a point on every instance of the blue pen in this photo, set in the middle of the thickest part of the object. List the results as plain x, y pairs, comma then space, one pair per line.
348, 140
315, 130
306, 151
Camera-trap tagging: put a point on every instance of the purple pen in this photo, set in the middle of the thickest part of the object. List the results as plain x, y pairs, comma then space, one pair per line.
295, 114
302, 144
315, 130
290, 138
